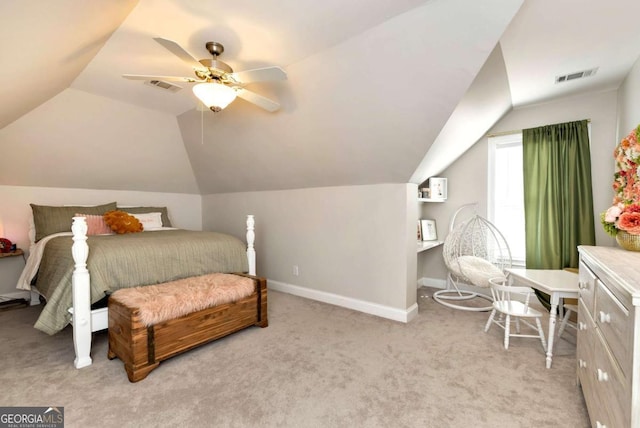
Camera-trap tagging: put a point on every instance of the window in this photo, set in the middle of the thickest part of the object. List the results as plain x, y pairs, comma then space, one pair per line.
506, 194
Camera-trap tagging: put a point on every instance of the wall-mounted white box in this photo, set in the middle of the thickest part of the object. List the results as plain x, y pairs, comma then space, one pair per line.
437, 187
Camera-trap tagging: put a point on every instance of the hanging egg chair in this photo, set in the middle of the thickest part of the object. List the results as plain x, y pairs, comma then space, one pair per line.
474, 251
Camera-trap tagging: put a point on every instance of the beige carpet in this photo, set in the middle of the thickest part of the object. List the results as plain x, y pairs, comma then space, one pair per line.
316, 365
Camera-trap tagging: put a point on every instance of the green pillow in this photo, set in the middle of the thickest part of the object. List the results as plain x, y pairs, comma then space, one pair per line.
48, 220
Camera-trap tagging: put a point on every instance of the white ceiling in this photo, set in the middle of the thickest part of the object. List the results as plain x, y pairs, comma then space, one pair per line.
254, 34
44, 45
372, 83
549, 38
48, 44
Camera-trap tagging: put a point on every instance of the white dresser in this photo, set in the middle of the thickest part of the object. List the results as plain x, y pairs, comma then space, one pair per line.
608, 350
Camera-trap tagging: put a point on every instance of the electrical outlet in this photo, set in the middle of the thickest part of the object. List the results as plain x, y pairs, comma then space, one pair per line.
296, 271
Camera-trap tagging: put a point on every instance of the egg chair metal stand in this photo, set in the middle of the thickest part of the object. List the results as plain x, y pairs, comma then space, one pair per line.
474, 251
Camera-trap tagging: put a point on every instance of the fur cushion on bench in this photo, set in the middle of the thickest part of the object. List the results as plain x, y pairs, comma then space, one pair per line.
170, 300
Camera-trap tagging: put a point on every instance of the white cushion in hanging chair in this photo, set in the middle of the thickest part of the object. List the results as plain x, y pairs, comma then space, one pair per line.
477, 270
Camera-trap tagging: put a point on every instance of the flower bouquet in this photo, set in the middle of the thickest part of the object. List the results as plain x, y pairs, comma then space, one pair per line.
623, 217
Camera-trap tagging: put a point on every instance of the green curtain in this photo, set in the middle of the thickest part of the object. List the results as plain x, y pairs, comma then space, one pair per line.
558, 200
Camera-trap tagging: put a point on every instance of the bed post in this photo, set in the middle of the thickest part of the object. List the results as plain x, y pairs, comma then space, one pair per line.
251, 252
81, 294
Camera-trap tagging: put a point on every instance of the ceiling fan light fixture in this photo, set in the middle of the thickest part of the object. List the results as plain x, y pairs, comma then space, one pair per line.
215, 96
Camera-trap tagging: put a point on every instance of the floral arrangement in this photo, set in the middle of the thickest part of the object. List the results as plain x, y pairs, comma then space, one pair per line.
624, 214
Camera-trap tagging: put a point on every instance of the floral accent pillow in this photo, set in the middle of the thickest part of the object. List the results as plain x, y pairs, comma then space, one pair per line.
121, 222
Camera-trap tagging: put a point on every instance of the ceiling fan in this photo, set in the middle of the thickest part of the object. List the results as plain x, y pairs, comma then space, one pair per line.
217, 84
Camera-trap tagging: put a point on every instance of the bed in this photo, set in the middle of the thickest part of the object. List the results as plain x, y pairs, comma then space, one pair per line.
76, 270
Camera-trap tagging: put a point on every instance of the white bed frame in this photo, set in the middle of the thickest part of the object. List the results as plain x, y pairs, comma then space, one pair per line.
84, 320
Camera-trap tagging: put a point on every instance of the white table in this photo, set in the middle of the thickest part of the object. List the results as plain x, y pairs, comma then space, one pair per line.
558, 284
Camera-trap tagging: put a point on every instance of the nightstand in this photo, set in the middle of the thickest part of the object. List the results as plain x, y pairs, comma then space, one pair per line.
14, 253
12, 303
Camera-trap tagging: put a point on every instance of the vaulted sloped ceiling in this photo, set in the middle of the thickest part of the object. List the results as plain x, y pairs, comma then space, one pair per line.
82, 140
364, 111
44, 45
486, 101
371, 84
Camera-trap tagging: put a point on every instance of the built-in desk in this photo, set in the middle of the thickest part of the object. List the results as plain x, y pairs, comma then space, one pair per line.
427, 245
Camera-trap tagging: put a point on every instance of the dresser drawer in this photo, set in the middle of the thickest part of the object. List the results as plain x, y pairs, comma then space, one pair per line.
612, 389
605, 389
587, 341
613, 320
587, 285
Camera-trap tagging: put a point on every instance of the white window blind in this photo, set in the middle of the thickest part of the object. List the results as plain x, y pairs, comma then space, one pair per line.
506, 194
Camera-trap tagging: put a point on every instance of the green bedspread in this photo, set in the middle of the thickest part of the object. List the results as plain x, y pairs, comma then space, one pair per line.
120, 261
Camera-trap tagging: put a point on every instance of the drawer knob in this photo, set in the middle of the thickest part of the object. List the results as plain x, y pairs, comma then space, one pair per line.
582, 285
602, 376
604, 317
582, 363
582, 325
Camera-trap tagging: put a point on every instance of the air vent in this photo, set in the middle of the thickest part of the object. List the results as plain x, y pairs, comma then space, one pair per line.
163, 85
576, 75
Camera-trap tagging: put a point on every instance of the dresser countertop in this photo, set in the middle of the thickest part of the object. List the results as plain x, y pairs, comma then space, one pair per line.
620, 265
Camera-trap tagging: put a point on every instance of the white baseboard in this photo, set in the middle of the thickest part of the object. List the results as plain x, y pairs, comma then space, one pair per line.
432, 282
15, 295
388, 312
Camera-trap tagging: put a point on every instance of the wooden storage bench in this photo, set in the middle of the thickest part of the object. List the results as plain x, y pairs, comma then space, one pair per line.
141, 347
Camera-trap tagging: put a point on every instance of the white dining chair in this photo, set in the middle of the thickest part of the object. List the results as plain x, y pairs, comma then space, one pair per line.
511, 304
568, 309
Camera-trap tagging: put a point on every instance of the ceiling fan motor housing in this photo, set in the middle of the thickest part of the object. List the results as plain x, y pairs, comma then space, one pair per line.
214, 64
215, 48
216, 68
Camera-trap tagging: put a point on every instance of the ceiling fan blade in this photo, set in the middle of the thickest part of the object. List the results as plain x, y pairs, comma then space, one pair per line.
179, 51
258, 100
165, 78
259, 75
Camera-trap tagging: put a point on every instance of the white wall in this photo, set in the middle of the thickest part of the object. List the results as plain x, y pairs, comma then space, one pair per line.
354, 245
467, 177
81, 140
628, 103
185, 211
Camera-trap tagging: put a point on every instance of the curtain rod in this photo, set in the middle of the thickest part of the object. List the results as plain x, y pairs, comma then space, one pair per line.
515, 131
